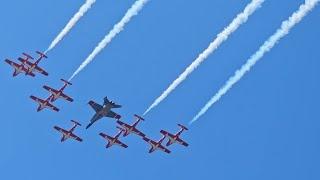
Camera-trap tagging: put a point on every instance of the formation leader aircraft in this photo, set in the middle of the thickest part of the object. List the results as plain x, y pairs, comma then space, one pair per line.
128, 129
66, 134
20, 68
175, 138
156, 145
114, 140
103, 111
44, 103
56, 94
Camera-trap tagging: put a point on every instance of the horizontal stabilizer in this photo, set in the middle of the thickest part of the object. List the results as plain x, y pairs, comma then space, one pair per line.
182, 127
139, 117
65, 81
27, 55
41, 54
75, 122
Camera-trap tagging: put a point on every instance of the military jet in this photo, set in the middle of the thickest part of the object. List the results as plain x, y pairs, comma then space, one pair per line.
156, 145
114, 140
44, 103
128, 129
66, 134
103, 111
175, 138
20, 68
59, 93
33, 67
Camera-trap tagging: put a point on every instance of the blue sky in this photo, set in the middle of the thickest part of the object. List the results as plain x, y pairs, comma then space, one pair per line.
266, 127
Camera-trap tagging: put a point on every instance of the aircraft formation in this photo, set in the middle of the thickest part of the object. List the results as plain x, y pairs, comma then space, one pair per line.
104, 110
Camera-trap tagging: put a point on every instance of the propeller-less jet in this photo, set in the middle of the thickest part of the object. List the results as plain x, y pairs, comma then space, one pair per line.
103, 111
66, 134
44, 103
128, 129
56, 94
156, 145
175, 138
114, 140
33, 67
20, 68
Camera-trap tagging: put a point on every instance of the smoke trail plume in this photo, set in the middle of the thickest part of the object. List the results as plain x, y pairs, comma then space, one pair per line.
134, 10
83, 9
286, 26
223, 36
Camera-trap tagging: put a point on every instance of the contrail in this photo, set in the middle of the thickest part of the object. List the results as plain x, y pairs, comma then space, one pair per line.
221, 37
286, 26
134, 10
83, 9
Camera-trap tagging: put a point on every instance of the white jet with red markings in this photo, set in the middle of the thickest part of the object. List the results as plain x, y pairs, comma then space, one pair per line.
114, 140
33, 67
56, 94
66, 134
44, 103
156, 145
175, 138
128, 129
20, 68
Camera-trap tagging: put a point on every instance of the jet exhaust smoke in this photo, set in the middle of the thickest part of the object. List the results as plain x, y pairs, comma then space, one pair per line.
83, 9
134, 10
286, 26
221, 37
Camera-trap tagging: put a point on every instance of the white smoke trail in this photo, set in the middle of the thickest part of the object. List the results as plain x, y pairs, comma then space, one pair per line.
286, 26
223, 36
83, 9
134, 10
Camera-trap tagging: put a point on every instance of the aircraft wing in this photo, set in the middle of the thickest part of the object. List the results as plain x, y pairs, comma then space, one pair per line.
123, 124
15, 65
182, 142
112, 114
97, 107
64, 96
121, 144
50, 106
50, 89
38, 100
136, 131
31, 74
40, 70
28, 63
75, 137
63, 131
162, 148
11, 63
104, 135
148, 140
165, 133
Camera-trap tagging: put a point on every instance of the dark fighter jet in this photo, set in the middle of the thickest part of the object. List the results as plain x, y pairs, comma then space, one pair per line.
103, 110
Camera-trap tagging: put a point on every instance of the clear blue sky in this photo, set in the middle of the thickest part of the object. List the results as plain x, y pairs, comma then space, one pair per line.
266, 127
